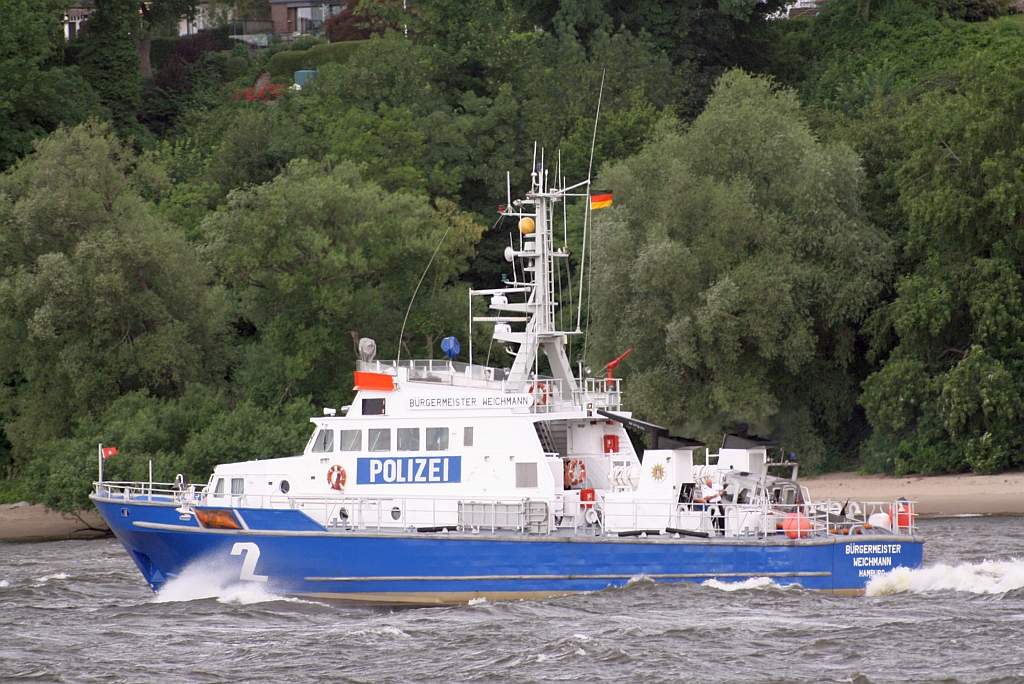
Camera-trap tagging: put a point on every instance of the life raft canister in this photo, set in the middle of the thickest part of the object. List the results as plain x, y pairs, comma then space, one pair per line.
336, 477
901, 515
541, 396
796, 525
575, 472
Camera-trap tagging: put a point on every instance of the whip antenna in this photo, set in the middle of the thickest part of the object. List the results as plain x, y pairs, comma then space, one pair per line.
414, 293
586, 214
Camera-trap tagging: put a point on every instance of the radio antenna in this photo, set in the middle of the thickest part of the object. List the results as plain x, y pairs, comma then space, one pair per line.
586, 211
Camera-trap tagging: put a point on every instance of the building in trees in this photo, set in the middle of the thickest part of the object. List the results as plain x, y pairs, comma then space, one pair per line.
301, 17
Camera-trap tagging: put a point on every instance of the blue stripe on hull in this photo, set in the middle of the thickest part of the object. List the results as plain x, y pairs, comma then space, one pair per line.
456, 567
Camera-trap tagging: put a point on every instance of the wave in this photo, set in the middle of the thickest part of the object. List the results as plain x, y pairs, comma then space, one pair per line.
989, 577
4, 583
752, 583
199, 582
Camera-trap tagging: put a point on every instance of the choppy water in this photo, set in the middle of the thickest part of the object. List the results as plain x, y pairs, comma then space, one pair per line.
80, 612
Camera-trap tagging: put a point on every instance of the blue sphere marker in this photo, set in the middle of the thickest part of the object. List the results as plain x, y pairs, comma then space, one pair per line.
450, 346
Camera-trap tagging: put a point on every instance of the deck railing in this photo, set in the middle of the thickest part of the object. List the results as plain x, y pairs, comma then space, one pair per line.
536, 516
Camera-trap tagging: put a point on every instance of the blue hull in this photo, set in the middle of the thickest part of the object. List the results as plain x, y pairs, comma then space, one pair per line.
293, 555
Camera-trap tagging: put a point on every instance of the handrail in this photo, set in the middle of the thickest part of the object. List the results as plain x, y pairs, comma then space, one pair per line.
823, 517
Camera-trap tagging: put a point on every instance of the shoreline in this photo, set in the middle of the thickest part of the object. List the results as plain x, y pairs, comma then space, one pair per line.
29, 522
936, 496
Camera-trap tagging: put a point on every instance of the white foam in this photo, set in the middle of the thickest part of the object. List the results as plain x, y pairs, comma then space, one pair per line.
380, 631
580, 652
46, 578
752, 583
581, 637
199, 582
989, 577
4, 583
638, 578
477, 601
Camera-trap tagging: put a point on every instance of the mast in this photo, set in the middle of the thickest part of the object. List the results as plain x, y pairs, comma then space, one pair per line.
535, 214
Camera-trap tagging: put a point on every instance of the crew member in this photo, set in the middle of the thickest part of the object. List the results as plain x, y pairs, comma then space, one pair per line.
713, 497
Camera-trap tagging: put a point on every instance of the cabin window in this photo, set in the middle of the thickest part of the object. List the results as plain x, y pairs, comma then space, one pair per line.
437, 439
467, 436
351, 440
219, 490
408, 439
379, 439
526, 475
373, 407
324, 442
237, 486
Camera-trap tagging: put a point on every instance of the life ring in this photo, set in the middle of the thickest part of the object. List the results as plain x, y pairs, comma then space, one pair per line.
336, 477
542, 392
575, 472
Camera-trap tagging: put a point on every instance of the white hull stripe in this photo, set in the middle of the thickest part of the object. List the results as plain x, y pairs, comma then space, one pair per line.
484, 578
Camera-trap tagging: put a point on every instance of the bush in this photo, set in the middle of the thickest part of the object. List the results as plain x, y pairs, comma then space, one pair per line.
306, 42
285, 64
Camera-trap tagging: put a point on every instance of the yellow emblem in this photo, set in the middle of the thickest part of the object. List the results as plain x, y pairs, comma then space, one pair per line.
658, 472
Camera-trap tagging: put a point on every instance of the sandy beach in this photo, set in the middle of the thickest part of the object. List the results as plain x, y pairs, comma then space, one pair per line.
32, 522
935, 496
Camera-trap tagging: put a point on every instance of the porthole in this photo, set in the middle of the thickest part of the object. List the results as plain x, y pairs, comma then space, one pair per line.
396, 513
285, 486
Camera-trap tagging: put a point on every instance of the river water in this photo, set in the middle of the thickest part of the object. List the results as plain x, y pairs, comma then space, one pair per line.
78, 611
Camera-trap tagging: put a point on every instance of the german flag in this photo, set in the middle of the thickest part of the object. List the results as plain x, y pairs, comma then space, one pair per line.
599, 199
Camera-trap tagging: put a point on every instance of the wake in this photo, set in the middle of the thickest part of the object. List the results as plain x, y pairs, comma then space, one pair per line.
988, 577
201, 581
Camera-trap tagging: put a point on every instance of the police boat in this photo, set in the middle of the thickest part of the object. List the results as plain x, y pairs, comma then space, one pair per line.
446, 482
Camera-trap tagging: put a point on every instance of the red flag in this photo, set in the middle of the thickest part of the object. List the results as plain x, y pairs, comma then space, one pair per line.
109, 451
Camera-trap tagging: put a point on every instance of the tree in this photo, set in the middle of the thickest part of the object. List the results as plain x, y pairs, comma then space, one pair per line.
319, 252
948, 394
738, 264
36, 94
109, 60
99, 296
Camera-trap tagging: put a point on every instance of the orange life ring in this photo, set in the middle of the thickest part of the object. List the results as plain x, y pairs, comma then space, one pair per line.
575, 472
336, 477
542, 392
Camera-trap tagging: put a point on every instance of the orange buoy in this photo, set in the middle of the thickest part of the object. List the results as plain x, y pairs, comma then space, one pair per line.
336, 477
575, 472
796, 525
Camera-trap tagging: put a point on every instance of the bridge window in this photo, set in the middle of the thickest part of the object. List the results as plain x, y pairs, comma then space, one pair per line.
467, 436
219, 491
408, 439
373, 407
437, 439
324, 442
379, 439
351, 440
237, 486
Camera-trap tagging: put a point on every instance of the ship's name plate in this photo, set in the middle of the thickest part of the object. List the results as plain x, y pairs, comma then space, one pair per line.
472, 401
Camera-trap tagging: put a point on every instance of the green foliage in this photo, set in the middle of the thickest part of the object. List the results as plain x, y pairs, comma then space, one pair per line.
99, 297
956, 317
319, 252
109, 60
36, 95
737, 264
284, 64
